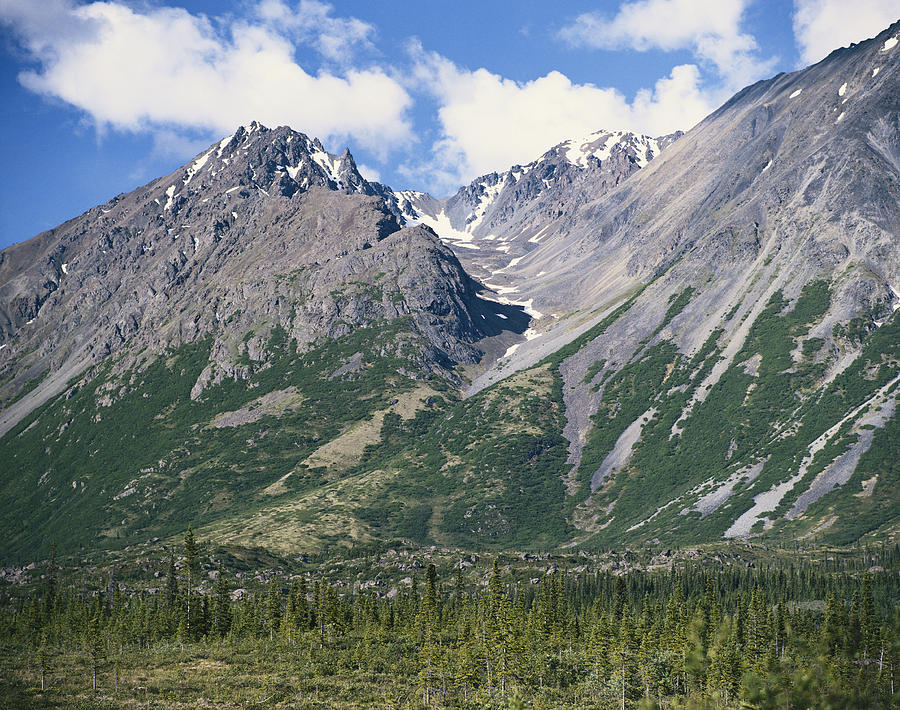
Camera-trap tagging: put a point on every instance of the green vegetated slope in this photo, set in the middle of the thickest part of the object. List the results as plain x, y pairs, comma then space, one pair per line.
482, 472
485, 471
132, 454
297, 457
765, 411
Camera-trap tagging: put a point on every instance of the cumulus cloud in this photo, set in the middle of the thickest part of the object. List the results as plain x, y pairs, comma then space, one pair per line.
163, 69
335, 38
708, 28
369, 173
823, 25
489, 122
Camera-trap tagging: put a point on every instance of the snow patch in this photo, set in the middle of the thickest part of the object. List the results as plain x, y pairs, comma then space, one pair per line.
329, 164
796, 94
840, 117
440, 223
502, 289
512, 263
223, 144
526, 305
536, 238
875, 71
889, 44
3, 346
234, 214
529, 334
198, 164
170, 194
232, 189
579, 150
600, 145
843, 89
485, 200
65, 268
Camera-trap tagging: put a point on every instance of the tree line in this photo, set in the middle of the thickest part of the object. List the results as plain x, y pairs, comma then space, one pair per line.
798, 636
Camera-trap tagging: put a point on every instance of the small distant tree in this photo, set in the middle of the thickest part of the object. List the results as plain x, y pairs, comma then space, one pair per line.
273, 607
52, 583
190, 561
171, 582
221, 621
43, 658
95, 648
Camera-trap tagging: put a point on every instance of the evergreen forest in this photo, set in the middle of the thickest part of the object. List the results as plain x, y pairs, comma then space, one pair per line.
198, 626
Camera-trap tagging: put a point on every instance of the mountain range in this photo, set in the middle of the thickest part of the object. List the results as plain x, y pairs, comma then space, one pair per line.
628, 341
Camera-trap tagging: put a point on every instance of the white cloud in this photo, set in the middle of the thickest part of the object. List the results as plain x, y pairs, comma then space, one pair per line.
489, 122
335, 38
708, 28
821, 26
165, 69
369, 173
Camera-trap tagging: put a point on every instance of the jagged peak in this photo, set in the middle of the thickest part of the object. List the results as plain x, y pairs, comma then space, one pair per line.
601, 144
279, 159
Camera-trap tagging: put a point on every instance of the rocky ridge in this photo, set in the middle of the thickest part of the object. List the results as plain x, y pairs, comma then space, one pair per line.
500, 217
263, 229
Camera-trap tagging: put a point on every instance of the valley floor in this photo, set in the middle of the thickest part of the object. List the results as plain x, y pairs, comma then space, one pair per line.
716, 628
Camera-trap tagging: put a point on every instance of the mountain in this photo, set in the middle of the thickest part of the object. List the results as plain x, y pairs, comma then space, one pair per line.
733, 309
263, 282
690, 339
498, 218
166, 264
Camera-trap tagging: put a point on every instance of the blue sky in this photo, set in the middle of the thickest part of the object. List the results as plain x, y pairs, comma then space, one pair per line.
97, 98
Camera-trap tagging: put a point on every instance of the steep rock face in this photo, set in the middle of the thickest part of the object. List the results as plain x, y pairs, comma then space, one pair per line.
498, 218
265, 229
772, 228
813, 147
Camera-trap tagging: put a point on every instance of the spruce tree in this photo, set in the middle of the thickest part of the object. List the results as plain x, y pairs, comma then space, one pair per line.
273, 607
221, 617
171, 582
190, 560
43, 658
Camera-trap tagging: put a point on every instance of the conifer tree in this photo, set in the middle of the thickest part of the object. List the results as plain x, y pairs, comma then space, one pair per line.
273, 608
626, 658
95, 648
221, 615
51, 589
190, 561
430, 601
171, 582
43, 658
868, 626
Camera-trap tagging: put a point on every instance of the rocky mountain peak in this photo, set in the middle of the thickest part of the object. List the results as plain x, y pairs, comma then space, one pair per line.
498, 218
264, 230
280, 160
